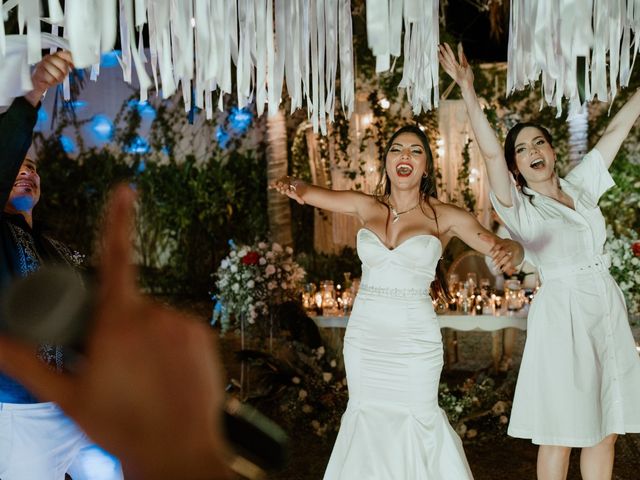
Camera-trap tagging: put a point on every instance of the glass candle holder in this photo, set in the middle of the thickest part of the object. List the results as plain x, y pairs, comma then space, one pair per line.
513, 296
329, 303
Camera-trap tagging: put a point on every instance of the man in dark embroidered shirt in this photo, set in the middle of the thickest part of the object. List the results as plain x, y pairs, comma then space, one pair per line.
37, 441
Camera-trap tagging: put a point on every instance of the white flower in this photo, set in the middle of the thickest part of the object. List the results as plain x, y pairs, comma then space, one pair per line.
284, 285
262, 261
232, 253
320, 352
333, 363
458, 409
327, 376
242, 252
272, 285
234, 268
270, 255
289, 250
224, 263
276, 247
270, 270
296, 380
251, 284
302, 394
235, 287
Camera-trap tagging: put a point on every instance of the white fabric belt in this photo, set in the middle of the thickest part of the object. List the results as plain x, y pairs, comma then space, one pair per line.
598, 264
393, 292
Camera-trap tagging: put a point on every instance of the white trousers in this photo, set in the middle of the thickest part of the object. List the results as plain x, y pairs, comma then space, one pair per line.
39, 442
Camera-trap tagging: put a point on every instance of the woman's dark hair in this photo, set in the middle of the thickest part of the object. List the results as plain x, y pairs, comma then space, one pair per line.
510, 150
427, 190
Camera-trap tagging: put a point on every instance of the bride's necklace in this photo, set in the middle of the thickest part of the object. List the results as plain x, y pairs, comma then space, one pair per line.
396, 214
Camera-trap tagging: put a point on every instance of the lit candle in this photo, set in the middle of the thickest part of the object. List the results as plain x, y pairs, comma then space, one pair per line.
498, 302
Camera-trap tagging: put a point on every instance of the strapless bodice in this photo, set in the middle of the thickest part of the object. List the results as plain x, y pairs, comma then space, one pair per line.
409, 268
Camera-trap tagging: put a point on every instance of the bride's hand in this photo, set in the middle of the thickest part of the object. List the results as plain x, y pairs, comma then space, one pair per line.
506, 254
288, 186
459, 70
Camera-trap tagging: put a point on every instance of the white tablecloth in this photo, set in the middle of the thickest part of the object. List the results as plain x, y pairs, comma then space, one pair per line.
456, 321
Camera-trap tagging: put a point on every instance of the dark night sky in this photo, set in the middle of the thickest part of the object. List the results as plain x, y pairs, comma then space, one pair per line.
466, 23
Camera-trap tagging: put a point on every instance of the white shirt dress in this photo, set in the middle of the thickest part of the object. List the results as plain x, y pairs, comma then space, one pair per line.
579, 380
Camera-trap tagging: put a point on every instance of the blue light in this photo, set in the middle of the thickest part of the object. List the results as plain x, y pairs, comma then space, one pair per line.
222, 137
110, 59
240, 119
43, 116
77, 104
67, 144
102, 128
145, 109
139, 146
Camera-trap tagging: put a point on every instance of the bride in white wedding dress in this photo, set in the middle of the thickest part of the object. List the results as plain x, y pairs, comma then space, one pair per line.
393, 428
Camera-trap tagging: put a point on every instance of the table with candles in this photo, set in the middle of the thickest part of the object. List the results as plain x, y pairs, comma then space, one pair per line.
469, 309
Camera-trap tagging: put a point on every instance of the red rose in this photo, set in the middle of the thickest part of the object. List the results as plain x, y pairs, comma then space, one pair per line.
251, 258
635, 246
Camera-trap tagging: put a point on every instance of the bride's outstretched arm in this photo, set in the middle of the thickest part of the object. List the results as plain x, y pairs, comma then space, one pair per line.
339, 201
618, 129
492, 153
507, 254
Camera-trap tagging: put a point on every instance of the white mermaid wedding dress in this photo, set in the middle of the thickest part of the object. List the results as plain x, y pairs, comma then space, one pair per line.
393, 428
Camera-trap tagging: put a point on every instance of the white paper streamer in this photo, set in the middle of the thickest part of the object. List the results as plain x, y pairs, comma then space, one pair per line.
15, 74
347, 94
546, 37
420, 52
195, 44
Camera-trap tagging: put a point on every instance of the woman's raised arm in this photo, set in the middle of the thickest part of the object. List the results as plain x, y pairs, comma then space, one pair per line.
618, 129
492, 152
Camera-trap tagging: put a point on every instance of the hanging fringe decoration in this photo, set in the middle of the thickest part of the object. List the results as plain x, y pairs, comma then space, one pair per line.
579, 49
193, 45
385, 19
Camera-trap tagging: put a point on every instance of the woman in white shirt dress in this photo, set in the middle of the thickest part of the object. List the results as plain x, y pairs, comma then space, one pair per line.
579, 382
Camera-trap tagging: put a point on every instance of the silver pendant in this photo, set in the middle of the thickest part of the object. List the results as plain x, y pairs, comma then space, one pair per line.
396, 215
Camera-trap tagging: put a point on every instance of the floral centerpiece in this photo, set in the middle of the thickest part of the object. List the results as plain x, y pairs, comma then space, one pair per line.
625, 267
253, 278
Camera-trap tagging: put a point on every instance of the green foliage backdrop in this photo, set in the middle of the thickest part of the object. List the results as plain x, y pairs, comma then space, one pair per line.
187, 212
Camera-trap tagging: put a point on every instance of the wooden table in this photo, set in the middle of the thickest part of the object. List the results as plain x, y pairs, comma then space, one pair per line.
456, 321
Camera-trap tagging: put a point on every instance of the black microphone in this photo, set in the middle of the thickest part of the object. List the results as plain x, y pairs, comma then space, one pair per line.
55, 305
